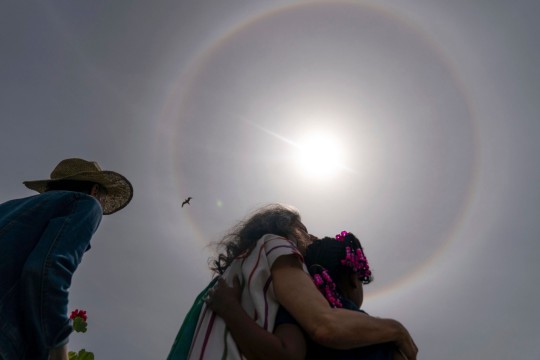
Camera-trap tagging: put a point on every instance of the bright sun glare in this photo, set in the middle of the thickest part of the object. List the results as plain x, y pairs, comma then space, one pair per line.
320, 156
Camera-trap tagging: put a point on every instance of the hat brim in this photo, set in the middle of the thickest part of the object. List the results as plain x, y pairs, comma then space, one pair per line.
119, 189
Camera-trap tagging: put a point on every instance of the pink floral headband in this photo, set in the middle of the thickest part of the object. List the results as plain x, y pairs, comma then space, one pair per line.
355, 259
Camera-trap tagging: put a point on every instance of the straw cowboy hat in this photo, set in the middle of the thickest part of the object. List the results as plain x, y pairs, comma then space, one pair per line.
119, 189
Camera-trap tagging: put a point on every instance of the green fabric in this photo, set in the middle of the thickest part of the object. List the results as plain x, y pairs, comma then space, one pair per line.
182, 343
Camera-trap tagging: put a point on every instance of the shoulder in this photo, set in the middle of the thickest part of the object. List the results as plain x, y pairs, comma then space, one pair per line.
51, 204
64, 196
70, 201
276, 246
270, 241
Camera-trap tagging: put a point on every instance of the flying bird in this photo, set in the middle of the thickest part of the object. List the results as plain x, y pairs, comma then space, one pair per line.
186, 201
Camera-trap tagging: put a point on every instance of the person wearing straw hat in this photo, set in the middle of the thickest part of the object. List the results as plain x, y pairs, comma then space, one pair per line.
42, 241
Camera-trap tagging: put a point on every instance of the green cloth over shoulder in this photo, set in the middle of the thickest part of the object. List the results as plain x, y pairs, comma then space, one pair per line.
182, 343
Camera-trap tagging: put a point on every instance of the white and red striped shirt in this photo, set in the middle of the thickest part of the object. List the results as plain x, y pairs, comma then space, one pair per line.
212, 340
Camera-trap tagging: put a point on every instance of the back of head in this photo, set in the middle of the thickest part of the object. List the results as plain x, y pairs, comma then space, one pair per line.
74, 174
274, 219
329, 260
71, 185
326, 253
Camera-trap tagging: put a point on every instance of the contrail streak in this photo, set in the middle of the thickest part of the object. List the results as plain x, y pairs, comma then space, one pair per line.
276, 135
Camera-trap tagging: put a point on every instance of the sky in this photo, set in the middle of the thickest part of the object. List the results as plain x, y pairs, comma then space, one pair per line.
412, 123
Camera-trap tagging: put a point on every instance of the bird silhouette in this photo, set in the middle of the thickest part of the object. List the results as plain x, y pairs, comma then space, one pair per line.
186, 201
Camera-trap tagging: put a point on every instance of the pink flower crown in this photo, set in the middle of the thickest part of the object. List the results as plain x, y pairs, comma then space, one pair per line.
355, 259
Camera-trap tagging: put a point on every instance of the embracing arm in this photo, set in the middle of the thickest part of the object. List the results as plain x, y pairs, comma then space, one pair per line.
287, 342
335, 328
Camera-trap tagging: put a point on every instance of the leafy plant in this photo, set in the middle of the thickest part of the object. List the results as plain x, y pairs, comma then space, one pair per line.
81, 355
80, 325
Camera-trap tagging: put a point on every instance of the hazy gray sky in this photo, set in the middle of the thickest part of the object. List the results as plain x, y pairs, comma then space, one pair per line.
431, 106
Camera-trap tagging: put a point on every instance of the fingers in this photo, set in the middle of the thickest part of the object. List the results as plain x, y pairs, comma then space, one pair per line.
406, 345
222, 294
414, 349
398, 355
402, 355
219, 286
410, 352
209, 297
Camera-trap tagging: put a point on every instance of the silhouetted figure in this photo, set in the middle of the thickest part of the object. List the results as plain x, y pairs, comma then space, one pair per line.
186, 201
42, 241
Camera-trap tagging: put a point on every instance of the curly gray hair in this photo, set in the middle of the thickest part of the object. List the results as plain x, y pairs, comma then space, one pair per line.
275, 219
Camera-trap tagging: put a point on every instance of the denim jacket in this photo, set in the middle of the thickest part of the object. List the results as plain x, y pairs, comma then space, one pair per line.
42, 241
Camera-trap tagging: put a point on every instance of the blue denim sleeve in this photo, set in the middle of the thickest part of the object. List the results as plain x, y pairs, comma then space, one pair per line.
48, 271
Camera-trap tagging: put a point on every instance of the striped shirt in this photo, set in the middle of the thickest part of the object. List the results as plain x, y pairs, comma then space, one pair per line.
212, 340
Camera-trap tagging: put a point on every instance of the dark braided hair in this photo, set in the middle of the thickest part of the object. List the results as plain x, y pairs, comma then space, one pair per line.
330, 259
274, 219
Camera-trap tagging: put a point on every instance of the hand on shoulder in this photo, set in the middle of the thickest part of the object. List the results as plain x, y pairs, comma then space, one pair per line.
221, 298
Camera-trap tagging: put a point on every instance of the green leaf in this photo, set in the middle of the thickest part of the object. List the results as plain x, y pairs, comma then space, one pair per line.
82, 355
86, 355
79, 325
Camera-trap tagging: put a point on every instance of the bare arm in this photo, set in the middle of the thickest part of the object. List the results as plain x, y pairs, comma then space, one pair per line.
255, 343
335, 328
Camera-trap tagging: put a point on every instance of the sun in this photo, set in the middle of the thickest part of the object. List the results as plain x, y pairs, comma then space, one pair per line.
320, 155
